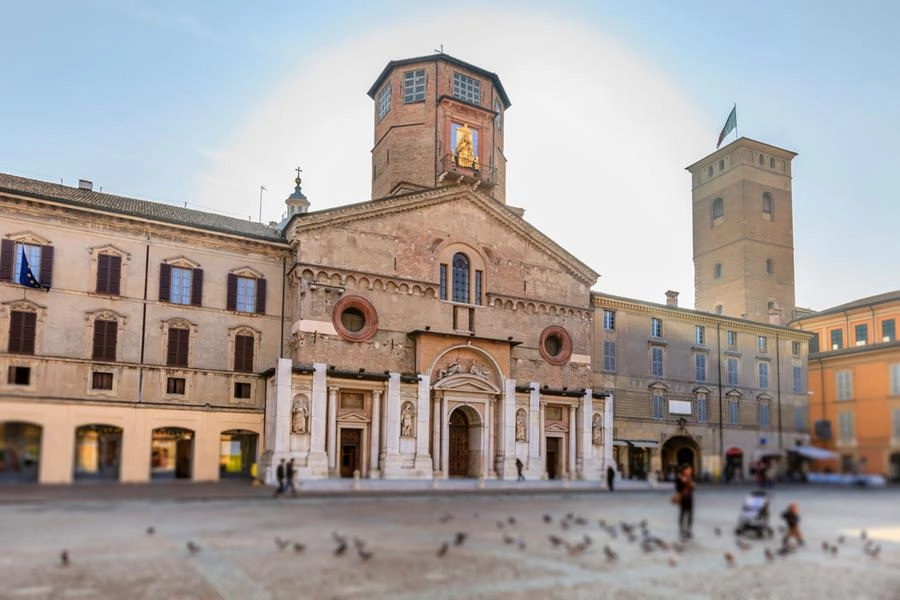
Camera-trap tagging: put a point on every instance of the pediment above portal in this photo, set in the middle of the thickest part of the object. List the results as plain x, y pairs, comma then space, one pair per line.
555, 428
353, 417
466, 382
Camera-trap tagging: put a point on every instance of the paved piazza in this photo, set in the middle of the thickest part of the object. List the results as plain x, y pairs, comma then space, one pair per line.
507, 551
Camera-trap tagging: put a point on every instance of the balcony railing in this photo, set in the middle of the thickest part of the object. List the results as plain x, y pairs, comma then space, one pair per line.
454, 170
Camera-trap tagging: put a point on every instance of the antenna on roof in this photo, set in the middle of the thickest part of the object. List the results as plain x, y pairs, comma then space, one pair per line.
441, 51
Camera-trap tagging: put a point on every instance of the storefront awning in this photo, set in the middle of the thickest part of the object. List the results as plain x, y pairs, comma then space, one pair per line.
620, 443
761, 453
813, 452
643, 444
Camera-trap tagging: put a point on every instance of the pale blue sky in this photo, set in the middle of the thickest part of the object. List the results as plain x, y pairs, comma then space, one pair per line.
204, 102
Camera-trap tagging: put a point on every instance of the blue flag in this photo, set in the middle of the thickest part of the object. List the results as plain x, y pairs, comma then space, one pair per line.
26, 277
730, 125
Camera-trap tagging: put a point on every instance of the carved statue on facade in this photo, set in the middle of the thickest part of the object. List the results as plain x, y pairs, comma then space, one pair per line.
452, 368
520, 426
465, 148
300, 417
597, 430
478, 369
407, 418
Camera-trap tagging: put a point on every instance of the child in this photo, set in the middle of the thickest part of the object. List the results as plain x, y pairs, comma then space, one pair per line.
792, 518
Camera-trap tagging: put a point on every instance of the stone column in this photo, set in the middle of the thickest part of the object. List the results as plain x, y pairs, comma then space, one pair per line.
588, 467
573, 437
608, 433
534, 425
375, 433
542, 441
332, 429
277, 424
488, 458
437, 416
445, 438
423, 465
506, 432
318, 423
392, 462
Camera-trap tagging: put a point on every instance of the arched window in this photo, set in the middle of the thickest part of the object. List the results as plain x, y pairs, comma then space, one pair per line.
718, 209
770, 266
717, 270
460, 277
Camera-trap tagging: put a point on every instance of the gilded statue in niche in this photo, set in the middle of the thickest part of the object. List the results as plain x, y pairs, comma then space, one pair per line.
465, 148
299, 417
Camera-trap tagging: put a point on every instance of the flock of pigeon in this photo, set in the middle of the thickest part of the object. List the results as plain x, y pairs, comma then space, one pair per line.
572, 537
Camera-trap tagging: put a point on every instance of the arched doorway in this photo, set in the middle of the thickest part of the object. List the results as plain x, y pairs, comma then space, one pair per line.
20, 452
464, 443
678, 451
734, 464
237, 453
172, 453
98, 450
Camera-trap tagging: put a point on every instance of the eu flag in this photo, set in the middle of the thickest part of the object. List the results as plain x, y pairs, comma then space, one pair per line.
26, 277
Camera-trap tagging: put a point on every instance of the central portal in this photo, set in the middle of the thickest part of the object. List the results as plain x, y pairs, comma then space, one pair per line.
351, 440
459, 444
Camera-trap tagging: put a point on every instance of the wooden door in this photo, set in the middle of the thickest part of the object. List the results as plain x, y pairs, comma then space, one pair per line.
351, 440
459, 445
552, 457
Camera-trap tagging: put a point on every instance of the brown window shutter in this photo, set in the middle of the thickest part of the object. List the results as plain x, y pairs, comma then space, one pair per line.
177, 355
22, 329
102, 275
243, 353
46, 276
261, 296
231, 292
165, 281
105, 333
197, 288
7, 259
115, 275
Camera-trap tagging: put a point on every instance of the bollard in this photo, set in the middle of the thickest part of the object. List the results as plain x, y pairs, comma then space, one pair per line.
481, 482
356, 480
434, 479
567, 478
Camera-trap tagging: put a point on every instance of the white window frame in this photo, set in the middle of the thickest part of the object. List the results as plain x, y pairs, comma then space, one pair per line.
384, 100
844, 384
246, 294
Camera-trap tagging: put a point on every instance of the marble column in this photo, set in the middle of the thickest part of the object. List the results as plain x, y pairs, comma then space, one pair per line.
487, 460
542, 441
392, 465
375, 434
318, 423
573, 436
423, 465
534, 424
436, 430
608, 433
445, 438
588, 466
332, 429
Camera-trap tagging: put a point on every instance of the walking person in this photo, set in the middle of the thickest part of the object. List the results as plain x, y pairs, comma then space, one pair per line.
684, 497
791, 518
289, 477
610, 477
279, 475
519, 467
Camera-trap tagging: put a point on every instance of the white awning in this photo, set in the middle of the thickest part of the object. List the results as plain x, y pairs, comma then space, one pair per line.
620, 443
643, 444
813, 452
761, 453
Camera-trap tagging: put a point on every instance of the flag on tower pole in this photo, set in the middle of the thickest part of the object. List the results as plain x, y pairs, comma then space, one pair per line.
26, 277
730, 125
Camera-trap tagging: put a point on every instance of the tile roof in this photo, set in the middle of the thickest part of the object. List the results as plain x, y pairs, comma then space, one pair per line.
144, 209
855, 304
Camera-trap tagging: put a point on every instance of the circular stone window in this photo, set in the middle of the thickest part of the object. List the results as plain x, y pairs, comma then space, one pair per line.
556, 345
355, 318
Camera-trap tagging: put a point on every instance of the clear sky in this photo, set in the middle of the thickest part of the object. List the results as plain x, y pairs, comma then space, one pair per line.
202, 103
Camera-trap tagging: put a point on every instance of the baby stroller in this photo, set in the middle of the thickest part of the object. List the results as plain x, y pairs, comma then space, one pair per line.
754, 515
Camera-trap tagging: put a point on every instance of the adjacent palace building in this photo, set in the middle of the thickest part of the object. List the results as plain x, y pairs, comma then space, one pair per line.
428, 332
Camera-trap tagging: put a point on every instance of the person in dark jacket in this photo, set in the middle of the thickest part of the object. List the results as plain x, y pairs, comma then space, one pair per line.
279, 475
684, 488
519, 467
289, 472
610, 477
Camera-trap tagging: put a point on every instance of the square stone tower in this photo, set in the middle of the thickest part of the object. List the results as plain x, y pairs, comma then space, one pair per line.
743, 232
438, 121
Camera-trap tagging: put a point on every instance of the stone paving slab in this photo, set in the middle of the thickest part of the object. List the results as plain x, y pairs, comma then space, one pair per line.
507, 552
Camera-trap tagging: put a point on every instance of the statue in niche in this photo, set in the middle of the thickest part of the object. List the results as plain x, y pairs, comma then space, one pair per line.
300, 417
407, 417
597, 430
465, 148
520, 426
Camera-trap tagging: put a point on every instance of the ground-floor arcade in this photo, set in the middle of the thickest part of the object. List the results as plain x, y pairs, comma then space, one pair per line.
46, 442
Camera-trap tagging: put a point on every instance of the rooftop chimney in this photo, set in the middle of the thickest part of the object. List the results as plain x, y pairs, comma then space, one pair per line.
85, 184
672, 298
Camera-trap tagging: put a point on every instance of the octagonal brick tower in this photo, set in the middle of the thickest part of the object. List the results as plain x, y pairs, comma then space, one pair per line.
438, 121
